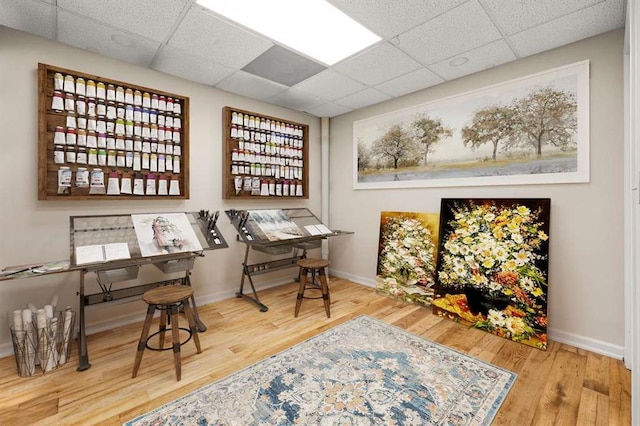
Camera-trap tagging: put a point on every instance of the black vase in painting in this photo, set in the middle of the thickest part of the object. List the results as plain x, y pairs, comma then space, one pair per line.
480, 302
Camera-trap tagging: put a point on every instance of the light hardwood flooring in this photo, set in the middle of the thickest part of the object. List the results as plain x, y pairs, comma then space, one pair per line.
561, 386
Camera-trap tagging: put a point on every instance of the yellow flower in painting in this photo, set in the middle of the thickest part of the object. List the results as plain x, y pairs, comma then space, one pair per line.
509, 265
507, 292
522, 257
500, 254
543, 236
513, 227
460, 270
488, 263
537, 292
523, 210
498, 233
467, 240
479, 279
515, 325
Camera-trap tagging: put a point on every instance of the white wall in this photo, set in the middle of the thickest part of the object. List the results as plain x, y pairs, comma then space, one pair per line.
36, 231
586, 236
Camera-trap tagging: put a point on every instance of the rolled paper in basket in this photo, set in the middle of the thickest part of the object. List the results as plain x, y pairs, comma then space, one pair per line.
48, 310
17, 320
29, 348
19, 332
41, 323
54, 302
66, 335
52, 355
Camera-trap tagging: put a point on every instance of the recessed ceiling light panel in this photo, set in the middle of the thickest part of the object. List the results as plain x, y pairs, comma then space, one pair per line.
313, 27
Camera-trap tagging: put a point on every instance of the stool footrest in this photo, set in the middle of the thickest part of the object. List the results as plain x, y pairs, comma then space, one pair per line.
169, 347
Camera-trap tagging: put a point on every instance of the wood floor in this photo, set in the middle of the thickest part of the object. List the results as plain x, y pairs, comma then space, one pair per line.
562, 386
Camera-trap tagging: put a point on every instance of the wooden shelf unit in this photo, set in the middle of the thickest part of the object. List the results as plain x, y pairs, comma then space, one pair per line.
264, 149
49, 119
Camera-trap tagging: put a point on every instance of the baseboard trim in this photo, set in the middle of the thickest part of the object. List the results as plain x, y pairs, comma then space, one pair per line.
588, 343
582, 342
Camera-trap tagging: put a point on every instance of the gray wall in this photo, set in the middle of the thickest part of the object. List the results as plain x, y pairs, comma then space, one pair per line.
37, 231
586, 246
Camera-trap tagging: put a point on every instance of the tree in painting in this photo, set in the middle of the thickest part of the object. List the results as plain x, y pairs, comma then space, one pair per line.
364, 156
396, 147
493, 124
545, 117
428, 132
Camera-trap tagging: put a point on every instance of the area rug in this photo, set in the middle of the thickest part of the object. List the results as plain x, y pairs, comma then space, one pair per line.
361, 372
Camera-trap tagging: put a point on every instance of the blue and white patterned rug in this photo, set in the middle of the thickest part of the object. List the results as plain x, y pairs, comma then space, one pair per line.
361, 372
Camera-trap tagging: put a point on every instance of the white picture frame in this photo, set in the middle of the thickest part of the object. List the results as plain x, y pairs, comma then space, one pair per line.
454, 162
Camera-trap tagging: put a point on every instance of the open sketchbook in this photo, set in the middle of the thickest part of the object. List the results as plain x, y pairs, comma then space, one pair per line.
102, 253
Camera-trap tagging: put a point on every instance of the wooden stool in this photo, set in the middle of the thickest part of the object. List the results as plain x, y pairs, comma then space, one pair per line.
167, 298
315, 266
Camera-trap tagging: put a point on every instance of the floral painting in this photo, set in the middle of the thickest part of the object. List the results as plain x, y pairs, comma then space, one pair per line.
407, 256
492, 269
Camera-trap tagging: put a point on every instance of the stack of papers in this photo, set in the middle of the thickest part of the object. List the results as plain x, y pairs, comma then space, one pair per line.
102, 253
318, 229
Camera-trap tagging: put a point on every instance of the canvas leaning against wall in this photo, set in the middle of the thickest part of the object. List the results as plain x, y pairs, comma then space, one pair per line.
531, 130
407, 256
492, 269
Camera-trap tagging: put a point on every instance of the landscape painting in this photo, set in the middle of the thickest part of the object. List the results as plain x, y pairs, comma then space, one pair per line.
492, 269
532, 130
407, 256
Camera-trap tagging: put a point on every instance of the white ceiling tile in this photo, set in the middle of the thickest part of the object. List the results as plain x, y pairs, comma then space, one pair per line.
380, 63
491, 55
203, 34
329, 109
295, 99
512, 16
586, 23
154, 19
364, 98
251, 86
463, 28
411, 82
330, 85
390, 18
90, 35
26, 15
195, 68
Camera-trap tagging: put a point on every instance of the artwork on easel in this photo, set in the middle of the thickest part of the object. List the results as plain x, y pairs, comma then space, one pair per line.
492, 270
407, 256
164, 233
275, 224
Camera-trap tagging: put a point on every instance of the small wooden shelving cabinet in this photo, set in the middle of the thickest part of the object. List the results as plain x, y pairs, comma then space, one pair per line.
264, 157
90, 126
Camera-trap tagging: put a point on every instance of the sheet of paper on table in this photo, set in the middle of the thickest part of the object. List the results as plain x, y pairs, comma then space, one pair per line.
102, 253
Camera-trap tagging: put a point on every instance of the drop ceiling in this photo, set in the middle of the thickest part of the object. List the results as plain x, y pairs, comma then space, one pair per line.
424, 43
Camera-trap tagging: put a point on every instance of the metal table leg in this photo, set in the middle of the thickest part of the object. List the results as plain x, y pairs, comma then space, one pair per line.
83, 354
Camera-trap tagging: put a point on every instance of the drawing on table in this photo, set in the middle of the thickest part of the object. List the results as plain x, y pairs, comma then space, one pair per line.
164, 233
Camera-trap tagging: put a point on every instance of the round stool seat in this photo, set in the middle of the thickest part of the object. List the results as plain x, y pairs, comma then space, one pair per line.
167, 295
309, 263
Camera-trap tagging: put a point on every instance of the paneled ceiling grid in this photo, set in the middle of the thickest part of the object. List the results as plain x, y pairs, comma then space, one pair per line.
424, 43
